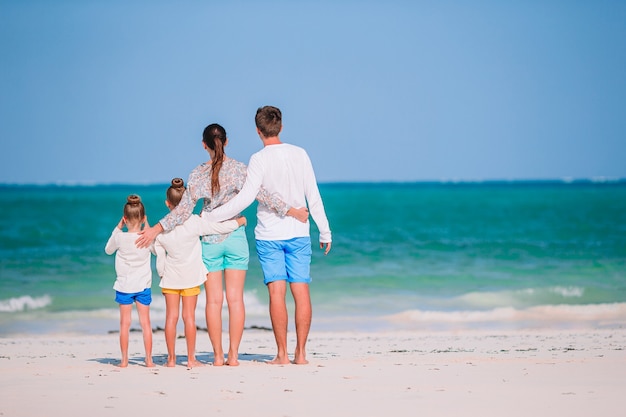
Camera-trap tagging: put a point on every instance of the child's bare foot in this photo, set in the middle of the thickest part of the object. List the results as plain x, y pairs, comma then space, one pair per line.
194, 363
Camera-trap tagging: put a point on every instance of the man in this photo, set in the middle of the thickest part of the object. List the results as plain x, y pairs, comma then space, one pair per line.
283, 243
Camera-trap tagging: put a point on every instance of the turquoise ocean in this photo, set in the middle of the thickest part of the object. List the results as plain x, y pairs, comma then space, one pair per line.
405, 256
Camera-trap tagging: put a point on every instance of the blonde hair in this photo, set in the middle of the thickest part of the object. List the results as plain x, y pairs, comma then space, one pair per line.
175, 192
134, 211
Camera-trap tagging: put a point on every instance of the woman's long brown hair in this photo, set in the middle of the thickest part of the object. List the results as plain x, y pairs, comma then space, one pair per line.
214, 137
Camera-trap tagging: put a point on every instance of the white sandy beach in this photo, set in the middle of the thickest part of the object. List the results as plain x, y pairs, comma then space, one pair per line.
521, 373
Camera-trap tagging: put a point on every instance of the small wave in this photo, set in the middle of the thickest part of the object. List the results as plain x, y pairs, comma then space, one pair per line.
519, 298
565, 292
568, 292
25, 302
589, 313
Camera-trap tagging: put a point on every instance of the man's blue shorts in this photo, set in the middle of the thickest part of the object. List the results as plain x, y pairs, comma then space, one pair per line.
144, 297
288, 260
233, 253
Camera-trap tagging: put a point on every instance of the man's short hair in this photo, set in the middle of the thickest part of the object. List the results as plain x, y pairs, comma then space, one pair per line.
269, 120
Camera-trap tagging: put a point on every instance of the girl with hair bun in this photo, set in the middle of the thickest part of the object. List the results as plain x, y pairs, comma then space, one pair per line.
179, 264
134, 276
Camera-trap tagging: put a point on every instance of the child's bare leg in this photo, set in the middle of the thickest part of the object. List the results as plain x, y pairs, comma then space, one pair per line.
125, 317
146, 329
235, 280
214, 300
302, 299
172, 305
279, 318
189, 319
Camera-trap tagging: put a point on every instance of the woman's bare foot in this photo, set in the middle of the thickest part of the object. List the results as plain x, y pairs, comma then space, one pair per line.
123, 363
300, 361
149, 363
194, 363
299, 358
171, 362
232, 360
279, 360
218, 361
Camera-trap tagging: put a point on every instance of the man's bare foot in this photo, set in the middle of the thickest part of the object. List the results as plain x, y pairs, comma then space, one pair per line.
194, 364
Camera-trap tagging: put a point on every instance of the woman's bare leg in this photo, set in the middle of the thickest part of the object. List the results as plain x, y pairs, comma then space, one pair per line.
235, 280
214, 301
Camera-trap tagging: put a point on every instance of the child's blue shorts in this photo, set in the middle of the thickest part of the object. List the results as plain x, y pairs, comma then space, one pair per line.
288, 260
144, 297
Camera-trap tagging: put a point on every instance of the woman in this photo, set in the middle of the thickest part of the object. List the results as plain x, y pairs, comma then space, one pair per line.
225, 256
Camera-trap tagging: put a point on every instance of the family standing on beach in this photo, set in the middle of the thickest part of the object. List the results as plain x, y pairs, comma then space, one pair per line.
209, 249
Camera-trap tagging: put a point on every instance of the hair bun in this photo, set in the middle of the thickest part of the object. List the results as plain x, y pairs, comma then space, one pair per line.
133, 199
178, 183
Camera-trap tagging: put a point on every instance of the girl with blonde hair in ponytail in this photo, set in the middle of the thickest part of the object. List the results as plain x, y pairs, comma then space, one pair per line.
133, 275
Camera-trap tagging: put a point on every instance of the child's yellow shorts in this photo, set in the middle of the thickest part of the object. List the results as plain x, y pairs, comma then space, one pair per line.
185, 292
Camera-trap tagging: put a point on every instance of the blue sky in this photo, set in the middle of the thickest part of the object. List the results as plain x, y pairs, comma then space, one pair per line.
120, 91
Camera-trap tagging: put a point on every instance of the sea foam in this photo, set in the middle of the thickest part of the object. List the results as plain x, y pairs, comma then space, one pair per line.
25, 302
603, 314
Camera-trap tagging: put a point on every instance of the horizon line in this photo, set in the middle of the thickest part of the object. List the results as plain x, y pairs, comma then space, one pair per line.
564, 180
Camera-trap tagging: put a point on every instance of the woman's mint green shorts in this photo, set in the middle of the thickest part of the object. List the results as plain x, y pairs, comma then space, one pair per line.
233, 253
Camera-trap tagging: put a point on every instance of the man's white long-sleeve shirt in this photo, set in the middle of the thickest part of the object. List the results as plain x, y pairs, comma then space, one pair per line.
286, 171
